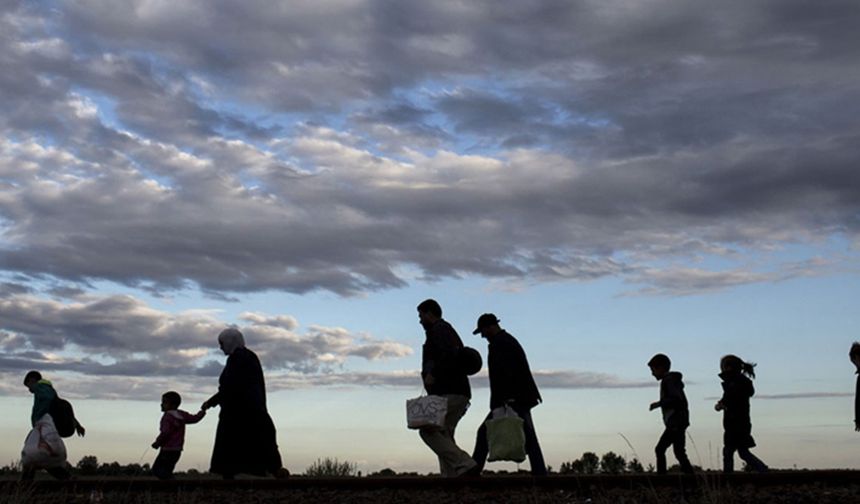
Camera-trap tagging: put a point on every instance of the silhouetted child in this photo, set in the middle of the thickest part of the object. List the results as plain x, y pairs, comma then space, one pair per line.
854, 355
676, 414
172, 436
735, 405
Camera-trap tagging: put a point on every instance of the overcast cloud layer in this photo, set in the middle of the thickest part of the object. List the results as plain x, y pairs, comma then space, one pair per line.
355, 146
245, 146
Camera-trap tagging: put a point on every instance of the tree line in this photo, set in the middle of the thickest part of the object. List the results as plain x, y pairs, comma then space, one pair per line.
589, 463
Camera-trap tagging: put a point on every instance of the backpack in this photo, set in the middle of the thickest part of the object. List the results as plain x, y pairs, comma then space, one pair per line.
469, 360
64, 417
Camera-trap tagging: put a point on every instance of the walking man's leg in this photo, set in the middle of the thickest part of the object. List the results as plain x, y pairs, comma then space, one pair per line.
532, 445
482, 449
452, 460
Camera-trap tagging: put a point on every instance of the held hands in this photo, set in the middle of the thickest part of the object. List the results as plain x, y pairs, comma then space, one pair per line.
719, 406
654, 405
205, 406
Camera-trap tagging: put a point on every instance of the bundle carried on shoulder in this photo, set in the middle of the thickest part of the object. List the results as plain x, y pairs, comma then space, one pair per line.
505, 435
469, 360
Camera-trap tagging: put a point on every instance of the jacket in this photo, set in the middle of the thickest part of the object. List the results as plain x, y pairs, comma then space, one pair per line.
43, 397
737, 391
510, 375
172, 436
673, 401
439, 358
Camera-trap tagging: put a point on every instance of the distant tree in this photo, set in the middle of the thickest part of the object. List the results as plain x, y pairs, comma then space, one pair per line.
612, 463
88, 465
13, 468
331, 468
111, 469
589, 463
134, 469
385, 473
634, 466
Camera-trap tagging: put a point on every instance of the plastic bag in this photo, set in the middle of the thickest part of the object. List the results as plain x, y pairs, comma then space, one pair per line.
426, 411
43, 448
505, 436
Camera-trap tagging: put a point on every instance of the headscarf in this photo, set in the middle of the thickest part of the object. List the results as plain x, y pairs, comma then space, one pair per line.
231, 339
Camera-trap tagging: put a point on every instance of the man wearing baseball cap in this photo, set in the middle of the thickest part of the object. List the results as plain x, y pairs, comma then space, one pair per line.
511, 383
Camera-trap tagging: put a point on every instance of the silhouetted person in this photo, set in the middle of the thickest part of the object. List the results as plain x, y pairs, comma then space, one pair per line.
43, 425
171, 438
443, 376
854, 355
676, 414
735, 405
512, 384
245, 440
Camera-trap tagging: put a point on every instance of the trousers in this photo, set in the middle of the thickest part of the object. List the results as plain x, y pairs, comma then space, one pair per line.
533, 451
452, 460
676, 438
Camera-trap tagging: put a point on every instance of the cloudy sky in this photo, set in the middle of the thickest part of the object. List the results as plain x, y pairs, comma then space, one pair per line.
612, 178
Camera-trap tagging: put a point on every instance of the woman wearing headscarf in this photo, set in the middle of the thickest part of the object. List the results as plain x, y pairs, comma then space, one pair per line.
245, 441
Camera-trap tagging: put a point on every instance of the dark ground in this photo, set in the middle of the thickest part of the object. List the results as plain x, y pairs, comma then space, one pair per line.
811, 487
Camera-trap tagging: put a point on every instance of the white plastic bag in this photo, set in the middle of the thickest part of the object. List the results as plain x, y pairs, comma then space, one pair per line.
43, 448
426, 411
505, 436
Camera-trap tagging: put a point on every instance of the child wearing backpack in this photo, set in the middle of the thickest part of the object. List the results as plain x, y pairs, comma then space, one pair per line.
735, 405
171, 438
52, 419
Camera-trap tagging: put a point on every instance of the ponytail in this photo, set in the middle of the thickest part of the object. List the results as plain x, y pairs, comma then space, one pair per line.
735, 363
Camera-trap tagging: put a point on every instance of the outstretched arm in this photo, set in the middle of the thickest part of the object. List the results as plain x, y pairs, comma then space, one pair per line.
192, 419
213, 401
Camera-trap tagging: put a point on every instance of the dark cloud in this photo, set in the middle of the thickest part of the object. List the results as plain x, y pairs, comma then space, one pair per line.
122, 336
249, 146
8, 289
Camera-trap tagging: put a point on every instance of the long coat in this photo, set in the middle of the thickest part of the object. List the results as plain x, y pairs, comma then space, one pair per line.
510, 375
737, 390
245, 441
